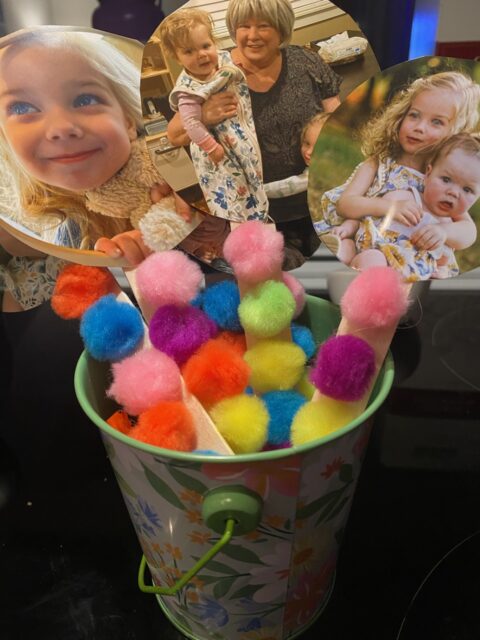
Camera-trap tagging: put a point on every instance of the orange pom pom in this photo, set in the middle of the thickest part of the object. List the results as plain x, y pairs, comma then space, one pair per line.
235, 340
216, 371
168, 425
78, 287
120, 421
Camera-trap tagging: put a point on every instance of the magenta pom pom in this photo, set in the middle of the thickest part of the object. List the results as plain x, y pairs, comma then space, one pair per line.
180, 331
297, 290
344, 368
168, 277
255, 251
145, 379
377, 297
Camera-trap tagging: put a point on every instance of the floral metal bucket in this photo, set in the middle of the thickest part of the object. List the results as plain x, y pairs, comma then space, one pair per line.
239, 547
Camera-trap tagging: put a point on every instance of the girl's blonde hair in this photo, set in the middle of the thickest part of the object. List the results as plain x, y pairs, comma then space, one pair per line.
379, 135
318, 118
123, 76
277, 13
174, 31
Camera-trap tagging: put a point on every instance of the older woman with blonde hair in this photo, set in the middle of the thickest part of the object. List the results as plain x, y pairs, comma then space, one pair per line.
288, 84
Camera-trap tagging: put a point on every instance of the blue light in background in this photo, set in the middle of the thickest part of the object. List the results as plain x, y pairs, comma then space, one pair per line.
424, 28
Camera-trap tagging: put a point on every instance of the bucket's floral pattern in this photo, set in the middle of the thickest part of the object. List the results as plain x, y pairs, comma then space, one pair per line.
265, 585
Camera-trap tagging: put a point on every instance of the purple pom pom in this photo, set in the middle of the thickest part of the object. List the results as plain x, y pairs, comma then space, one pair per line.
180, 331
344, 368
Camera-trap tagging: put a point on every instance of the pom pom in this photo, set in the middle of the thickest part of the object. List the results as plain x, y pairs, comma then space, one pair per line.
215, 372
168, 425
111, 330
255, 251
168, 278
242, 421
234, 340
78, 287
220, 302
162, 227
197, 301
377, 297
297, 290
180, 331
282, 407
303, 337
344, 368
267, 309
275, 364
321, 418
120, 421
145, 379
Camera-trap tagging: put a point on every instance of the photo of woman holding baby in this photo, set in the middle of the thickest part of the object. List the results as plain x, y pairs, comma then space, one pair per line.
287, 86
410, 202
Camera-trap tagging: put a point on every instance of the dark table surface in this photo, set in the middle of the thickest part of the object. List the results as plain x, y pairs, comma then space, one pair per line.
409, 563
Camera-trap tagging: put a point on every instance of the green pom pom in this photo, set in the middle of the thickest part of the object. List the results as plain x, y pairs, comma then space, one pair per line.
267, 309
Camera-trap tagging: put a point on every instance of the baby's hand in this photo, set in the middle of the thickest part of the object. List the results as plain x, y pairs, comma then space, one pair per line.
217, 154
218, 107
429, 237
406, 212
128, 244
345, 230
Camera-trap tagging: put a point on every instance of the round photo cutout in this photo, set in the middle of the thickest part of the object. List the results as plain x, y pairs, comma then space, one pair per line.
227, 90
75, 169
395, 173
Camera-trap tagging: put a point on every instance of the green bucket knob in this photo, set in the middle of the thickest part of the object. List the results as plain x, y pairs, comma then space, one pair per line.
235, 502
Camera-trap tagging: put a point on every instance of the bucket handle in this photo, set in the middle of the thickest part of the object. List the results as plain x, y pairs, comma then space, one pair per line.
230, 510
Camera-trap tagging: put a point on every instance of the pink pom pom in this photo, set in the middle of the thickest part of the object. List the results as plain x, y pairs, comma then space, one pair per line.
377, 297
255, 251
168, 277
297, 290
145, 379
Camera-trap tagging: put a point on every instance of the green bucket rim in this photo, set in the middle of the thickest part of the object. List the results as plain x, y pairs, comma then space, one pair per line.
381, 391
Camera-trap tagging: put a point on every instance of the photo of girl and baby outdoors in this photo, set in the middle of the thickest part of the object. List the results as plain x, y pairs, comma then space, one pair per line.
395, 175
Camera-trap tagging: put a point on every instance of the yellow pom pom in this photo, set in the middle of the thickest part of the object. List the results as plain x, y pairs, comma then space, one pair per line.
320, 418
305, 387
242, 421
275, 365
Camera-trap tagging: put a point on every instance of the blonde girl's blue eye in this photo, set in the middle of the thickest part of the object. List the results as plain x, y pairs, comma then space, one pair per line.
21, 108
86, 100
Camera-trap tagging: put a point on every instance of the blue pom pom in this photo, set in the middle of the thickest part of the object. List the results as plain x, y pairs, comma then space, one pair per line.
282, 407
303, 338
111, 330
197, 300
220, 302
